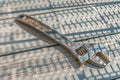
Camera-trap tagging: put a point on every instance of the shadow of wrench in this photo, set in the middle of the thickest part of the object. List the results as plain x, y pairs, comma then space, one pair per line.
91, 53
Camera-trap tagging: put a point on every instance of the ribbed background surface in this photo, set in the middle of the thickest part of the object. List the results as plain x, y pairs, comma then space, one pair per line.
23, 56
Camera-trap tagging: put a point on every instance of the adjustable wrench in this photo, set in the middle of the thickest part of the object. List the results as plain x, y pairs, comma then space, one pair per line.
87, 53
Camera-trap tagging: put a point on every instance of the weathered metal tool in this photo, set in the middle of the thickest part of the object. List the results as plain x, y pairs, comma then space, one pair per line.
87, 53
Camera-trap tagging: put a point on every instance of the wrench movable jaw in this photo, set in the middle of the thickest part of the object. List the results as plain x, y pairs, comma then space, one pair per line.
102, 57
81, 54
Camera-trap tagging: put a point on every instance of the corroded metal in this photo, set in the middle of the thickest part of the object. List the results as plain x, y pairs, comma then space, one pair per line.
81, 54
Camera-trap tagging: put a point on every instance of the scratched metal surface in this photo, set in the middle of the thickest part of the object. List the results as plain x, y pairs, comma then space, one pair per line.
23, 56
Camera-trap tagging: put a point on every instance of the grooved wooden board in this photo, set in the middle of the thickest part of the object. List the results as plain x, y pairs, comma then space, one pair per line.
23, 56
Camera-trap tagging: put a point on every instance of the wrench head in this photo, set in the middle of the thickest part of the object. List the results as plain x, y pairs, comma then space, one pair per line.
94, 54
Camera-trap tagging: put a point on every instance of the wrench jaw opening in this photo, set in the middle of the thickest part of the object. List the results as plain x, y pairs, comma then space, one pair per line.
98, 53
96, 64
99, 60
92, 55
